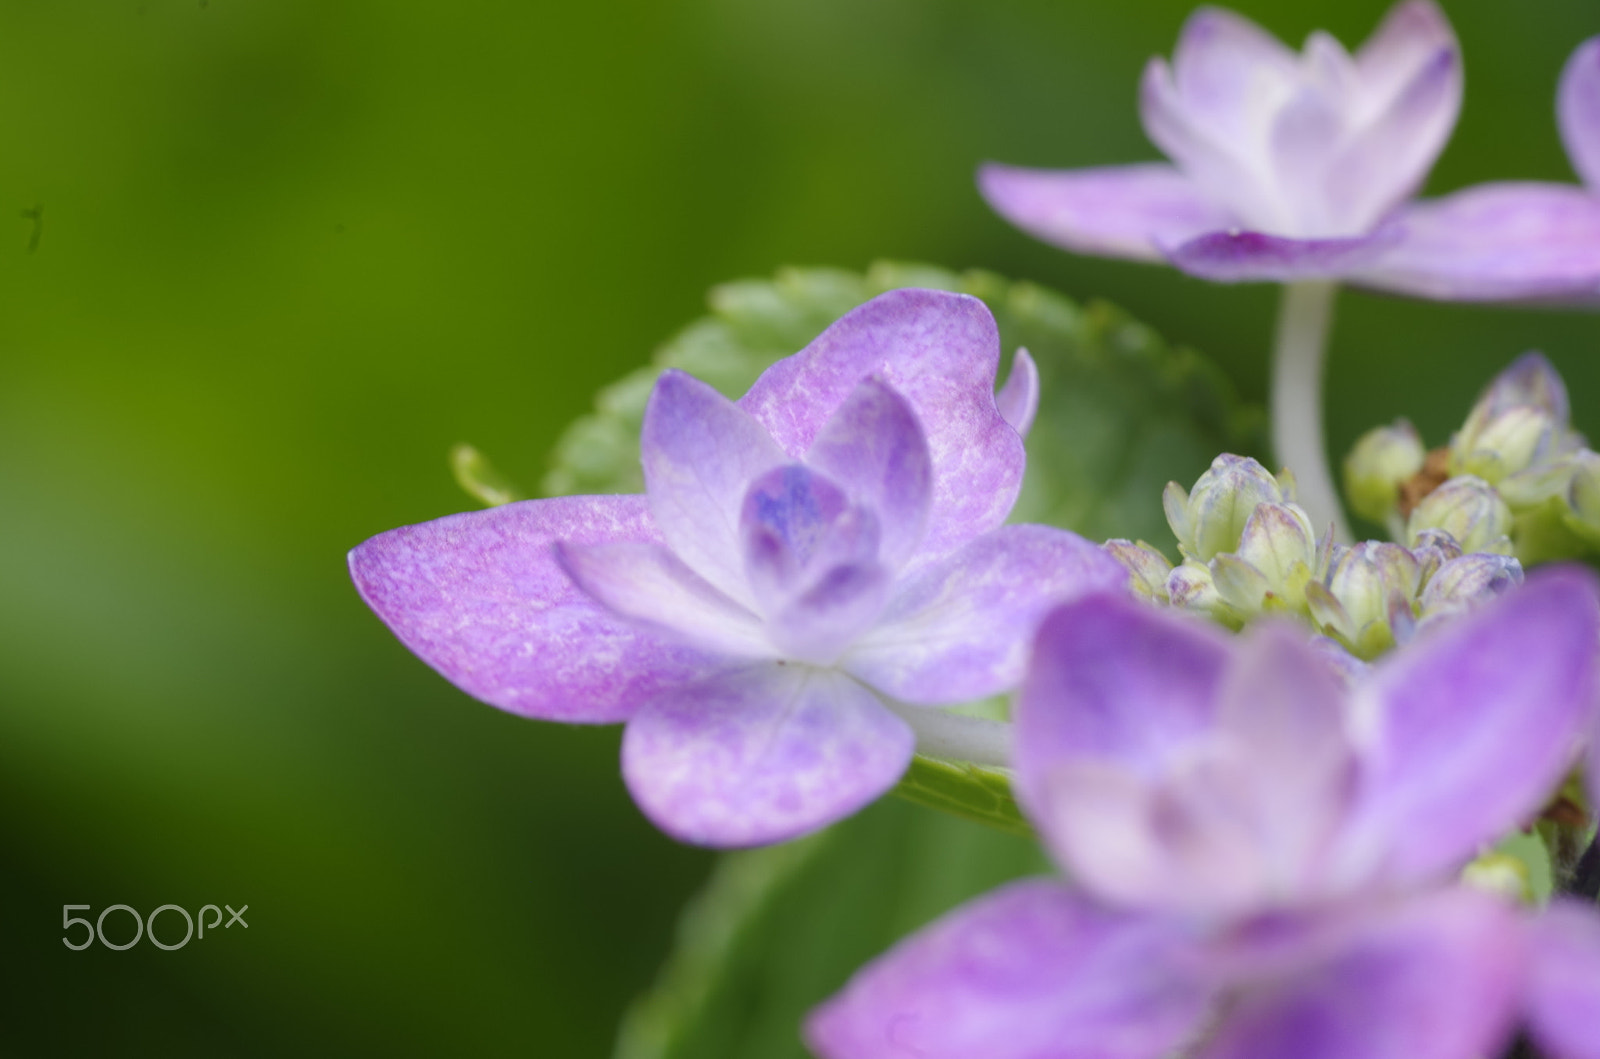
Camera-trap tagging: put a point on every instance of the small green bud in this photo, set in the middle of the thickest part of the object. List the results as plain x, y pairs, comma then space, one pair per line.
478, 478
1520, 421
1277, 556
1148, 569
1379, 462
1191, 588
1501, 874
1470, 510
1583, 491
1365, 601
1210, 518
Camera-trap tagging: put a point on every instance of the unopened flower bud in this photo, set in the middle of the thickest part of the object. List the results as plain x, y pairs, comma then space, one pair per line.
1500, 874
1469, 580
1380, 461
1366, 599
1519, 422
1583, 492
1211, 517
1432, 549
1191, 588
1467, 508
1277, 555
1148, 569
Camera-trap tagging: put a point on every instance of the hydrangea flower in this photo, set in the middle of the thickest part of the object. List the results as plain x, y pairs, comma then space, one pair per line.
1260, 856
1293, 166
810, 570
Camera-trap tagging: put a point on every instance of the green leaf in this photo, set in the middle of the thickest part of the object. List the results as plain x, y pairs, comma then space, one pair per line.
775, 931
778, 930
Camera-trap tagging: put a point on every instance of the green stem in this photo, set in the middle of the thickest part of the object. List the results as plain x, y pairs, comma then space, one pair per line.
1300, 346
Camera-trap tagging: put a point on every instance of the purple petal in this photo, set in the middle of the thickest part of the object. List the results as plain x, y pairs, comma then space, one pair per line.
873, 446
1224, 64
960, 628
939, 351
1209, 142
1436, 978
1238, 256
1238, 823
1387, 162
1018, 399
700, 453
1470, 728
1030, 971
1578, 111
481, 598
1119, 211
1563, 992
1494, 242
1409, 38
1115, 680
647, 583
761, 754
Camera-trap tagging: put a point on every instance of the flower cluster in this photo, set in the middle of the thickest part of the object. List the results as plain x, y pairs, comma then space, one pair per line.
1273, 774
1515, 478
812, 572
1250, 551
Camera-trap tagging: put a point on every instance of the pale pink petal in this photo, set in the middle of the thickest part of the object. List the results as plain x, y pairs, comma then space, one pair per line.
1122, 211
761, 754
1030, 971
1410, 36
481, 598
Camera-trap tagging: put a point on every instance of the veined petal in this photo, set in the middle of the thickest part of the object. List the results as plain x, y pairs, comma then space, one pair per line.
1494, 242
1224, 64
1578, 111
939, 351
1029, 971
761, 754
647, 583
700, 453
1388, 160
1018, 399
1563, 992
959, 629
1122, 211
1466, 732
480, 598
1237, 256
1411, 34
1434, 978
873, 446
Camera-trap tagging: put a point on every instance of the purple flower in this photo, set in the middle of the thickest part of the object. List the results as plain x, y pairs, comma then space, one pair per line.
808, 569
1259, 854
1293, 166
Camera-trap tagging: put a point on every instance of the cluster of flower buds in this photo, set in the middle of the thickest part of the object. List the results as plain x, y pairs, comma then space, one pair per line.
1248, 550
1516, 478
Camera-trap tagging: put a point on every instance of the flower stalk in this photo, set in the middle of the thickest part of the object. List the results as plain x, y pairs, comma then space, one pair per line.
1299, 348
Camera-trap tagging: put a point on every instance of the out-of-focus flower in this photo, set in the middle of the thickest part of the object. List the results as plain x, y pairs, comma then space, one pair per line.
804, 564
1293, 166
1264, 857
1468, 509
1379, 464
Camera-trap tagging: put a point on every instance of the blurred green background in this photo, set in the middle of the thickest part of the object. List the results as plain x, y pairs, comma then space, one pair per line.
290, 252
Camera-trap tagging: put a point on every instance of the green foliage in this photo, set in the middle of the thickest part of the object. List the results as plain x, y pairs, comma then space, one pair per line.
777, 930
